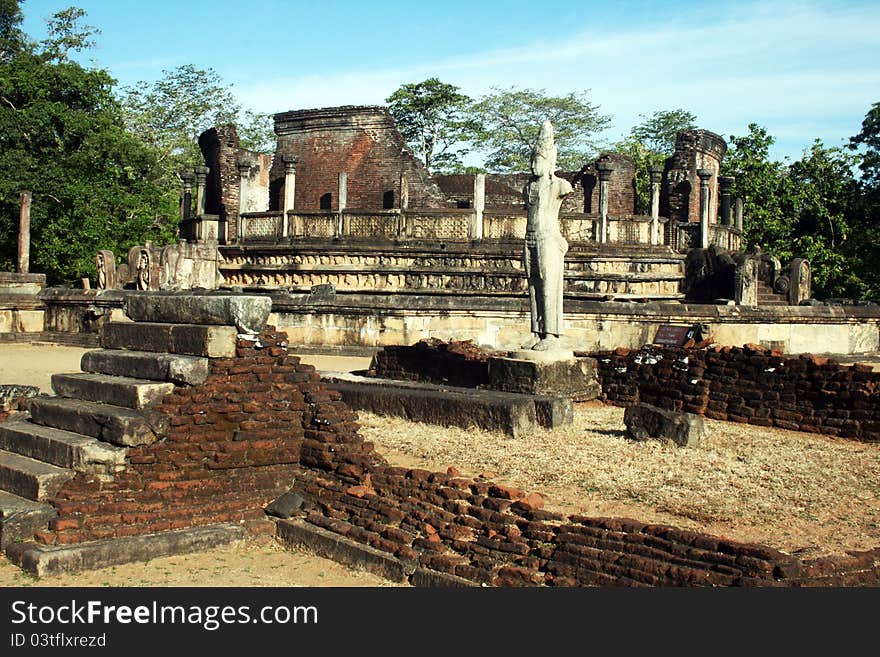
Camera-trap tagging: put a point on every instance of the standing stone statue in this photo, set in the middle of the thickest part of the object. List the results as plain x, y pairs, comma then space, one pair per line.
105, 266
142, 281
545, 247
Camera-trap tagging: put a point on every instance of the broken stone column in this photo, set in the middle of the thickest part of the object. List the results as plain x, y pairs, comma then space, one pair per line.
725, 183
738, 214
656, 174
479, 205
289, 192
244, 170
201, 175
605, 171
186, 204
705, 176
404, 192
343, 203
24, 232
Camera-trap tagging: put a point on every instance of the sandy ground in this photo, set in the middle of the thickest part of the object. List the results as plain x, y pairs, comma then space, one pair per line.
798, 492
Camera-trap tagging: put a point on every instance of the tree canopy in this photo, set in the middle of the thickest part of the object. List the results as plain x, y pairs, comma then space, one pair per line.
508, 122
62, 138
434, 119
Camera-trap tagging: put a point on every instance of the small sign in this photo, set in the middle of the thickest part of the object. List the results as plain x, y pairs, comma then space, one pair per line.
674, 335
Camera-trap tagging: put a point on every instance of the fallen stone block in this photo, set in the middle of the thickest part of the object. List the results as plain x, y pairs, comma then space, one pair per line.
644, 422
248, 313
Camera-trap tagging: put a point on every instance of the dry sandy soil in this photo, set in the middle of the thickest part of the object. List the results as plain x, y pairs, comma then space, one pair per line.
798, 492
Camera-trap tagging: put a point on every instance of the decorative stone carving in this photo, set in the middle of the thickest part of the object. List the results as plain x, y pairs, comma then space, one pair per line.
801, 281
746, 282
545, 248
142, 269
105, 266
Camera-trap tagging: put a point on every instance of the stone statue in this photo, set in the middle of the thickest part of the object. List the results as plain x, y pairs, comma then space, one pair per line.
105, 266
545, 247
142, 281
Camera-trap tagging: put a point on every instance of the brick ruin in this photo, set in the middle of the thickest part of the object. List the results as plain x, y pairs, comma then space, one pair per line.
261, 424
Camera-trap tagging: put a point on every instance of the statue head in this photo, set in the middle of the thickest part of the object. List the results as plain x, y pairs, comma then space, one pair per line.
544, 152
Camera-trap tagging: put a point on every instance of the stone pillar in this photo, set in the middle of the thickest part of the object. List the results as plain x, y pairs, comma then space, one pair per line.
725, 183
479, 205
605, 171
186, 204
244, 170
289, 192
404, 192
705, 176
738, 214
656, 174
343, 203
24, 232
201, 174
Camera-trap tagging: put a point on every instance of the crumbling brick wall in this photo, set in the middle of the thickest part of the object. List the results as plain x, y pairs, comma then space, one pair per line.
749, 384
359, 141
457, 363
263, 424
621, 187
680, 185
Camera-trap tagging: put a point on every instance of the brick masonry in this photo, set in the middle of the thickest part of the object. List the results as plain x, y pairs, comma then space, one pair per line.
264, 424
359, 141
749, 384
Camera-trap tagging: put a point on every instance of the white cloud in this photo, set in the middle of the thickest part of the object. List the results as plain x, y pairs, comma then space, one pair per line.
803, 70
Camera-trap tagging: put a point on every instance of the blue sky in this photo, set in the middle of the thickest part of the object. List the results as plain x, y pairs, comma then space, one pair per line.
801, 69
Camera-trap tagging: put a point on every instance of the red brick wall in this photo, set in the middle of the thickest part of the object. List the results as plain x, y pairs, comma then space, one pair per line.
749, 384
621, 190
680, 186
359, 141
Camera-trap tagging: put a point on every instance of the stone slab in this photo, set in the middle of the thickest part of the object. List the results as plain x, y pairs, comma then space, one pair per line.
154, 366
30, 479
248, 313
426, 578
48, 560
20, 519
185, 339
644, 422
575, 378
25, 284
324, 543
514, 414
61, 448
116, 390
113, 424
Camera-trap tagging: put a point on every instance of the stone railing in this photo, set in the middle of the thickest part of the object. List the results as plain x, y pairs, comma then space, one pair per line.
261, 227
452, 225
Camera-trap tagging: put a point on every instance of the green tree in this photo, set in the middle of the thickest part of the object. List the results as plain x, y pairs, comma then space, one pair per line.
94, 184
67, 34
766, 191
657, 132
433, 118
509, 121
869, 140
12, 39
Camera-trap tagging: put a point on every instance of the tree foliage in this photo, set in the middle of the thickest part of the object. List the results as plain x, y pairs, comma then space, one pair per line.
508, 122
657, 132
434, 119
62, 137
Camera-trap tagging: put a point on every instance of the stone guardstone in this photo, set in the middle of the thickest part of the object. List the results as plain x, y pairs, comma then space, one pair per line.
538, 373
644, 422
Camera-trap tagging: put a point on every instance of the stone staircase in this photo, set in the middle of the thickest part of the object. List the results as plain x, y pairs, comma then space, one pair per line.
98, 413
767, 297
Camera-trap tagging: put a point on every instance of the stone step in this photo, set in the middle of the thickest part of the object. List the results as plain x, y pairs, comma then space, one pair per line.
20, 519
61, 448
113, 424
48, 560
182, 370
116, 390
30, 479
185, 339
248, 313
